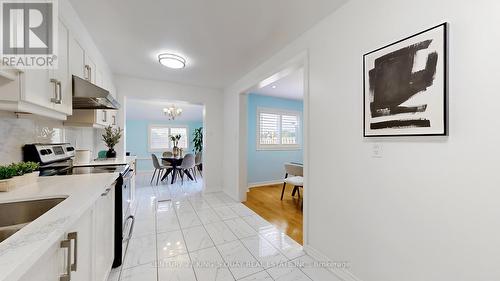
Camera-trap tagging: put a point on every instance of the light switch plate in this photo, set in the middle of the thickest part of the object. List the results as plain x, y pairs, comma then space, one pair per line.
377, 151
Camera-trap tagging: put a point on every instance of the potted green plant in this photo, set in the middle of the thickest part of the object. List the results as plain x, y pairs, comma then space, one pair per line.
198, 140
30, 171
26, 172
111, 138
175, 141
7, 173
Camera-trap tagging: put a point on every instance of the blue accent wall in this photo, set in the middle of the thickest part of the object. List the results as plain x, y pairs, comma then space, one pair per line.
137, 139
265, 165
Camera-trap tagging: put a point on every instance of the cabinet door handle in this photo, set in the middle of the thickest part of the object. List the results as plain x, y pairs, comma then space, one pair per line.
66, 244
89, 72
104, 116
114, 120
59, 85
74, 236
55, 99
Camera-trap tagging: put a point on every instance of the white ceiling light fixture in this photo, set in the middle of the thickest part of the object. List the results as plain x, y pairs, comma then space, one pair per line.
172, 60
172, 112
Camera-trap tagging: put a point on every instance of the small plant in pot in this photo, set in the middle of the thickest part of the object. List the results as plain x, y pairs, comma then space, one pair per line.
111, 138
175, 141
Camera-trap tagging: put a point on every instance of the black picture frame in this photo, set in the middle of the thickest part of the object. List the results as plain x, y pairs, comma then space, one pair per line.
445, 27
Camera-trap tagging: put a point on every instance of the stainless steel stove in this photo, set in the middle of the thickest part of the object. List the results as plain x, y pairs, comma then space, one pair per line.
57, 160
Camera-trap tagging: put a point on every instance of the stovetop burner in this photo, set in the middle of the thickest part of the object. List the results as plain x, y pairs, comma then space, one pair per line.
61, 171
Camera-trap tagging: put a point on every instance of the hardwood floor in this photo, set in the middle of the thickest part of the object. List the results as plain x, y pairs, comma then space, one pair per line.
285, 215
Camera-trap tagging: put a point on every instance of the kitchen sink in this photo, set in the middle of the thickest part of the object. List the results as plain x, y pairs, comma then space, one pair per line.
16, 215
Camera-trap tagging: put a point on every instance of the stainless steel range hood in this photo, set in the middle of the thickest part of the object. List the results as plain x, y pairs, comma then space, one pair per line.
89, 96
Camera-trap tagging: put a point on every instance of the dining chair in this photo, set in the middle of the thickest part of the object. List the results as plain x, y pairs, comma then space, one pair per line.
198, 161
165, 155
294, 175
187, 165
158, 168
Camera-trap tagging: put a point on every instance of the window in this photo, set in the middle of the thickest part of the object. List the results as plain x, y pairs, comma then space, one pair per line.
278, 129
159, 137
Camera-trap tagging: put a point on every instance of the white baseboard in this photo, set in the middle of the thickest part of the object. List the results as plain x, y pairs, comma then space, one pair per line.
343, 274
264, 183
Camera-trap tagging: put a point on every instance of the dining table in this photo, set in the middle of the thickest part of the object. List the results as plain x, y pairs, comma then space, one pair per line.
175, 161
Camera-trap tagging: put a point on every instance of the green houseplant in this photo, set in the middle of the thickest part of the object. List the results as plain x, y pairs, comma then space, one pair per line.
18, 174
111, 138
198, 140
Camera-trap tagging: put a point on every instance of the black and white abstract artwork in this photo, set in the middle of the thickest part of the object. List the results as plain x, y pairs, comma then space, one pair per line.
405, 86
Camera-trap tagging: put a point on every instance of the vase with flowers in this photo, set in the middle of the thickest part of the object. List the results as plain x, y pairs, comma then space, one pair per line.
175, 142
111, 138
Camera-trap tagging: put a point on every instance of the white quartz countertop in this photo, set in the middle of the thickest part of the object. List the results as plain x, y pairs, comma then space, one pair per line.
22, 250
107, 162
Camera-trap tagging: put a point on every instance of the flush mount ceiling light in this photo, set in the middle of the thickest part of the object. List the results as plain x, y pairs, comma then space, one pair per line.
172, 112
172, 61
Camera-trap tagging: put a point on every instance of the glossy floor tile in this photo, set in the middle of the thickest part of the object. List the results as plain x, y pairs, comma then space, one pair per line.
183, 234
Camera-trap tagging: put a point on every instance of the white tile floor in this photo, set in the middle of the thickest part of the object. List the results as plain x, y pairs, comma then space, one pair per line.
207, 237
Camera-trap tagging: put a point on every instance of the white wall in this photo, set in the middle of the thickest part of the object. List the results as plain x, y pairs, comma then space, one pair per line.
130, 87
429, 209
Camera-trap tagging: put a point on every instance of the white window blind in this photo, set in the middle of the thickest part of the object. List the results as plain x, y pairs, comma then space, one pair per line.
289, 129
278, 129
269, 128
158, 138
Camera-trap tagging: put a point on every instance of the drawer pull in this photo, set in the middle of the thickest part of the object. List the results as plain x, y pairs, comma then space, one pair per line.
66, 244
74, 236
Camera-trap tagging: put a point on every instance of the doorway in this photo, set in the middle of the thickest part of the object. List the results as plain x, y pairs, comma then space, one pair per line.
149, 126
274, 144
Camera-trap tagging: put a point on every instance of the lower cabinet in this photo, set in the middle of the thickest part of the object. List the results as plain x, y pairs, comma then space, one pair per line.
104, 235
85, 252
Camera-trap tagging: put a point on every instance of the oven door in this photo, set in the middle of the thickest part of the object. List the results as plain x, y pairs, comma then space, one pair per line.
126, 197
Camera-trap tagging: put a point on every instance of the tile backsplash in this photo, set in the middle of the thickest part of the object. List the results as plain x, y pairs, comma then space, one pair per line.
15, 132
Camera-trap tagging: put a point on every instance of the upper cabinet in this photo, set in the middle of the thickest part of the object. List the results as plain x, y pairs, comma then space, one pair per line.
42, 91
62, 73
49, 92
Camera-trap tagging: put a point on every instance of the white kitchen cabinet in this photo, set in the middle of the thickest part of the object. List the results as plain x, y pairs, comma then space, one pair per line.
103, 117
82, 245
113, 115
78, 241
37, 88
89, 118
76, 58
62, 73
50, 267
42, 91
99, 80
91, 68
49, 92
90, 241
104, 234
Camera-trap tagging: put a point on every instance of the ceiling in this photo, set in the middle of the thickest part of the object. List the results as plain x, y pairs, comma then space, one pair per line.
288, 87
221, 39
140, 109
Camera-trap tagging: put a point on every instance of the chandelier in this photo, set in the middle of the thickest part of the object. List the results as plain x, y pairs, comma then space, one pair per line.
172, 112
